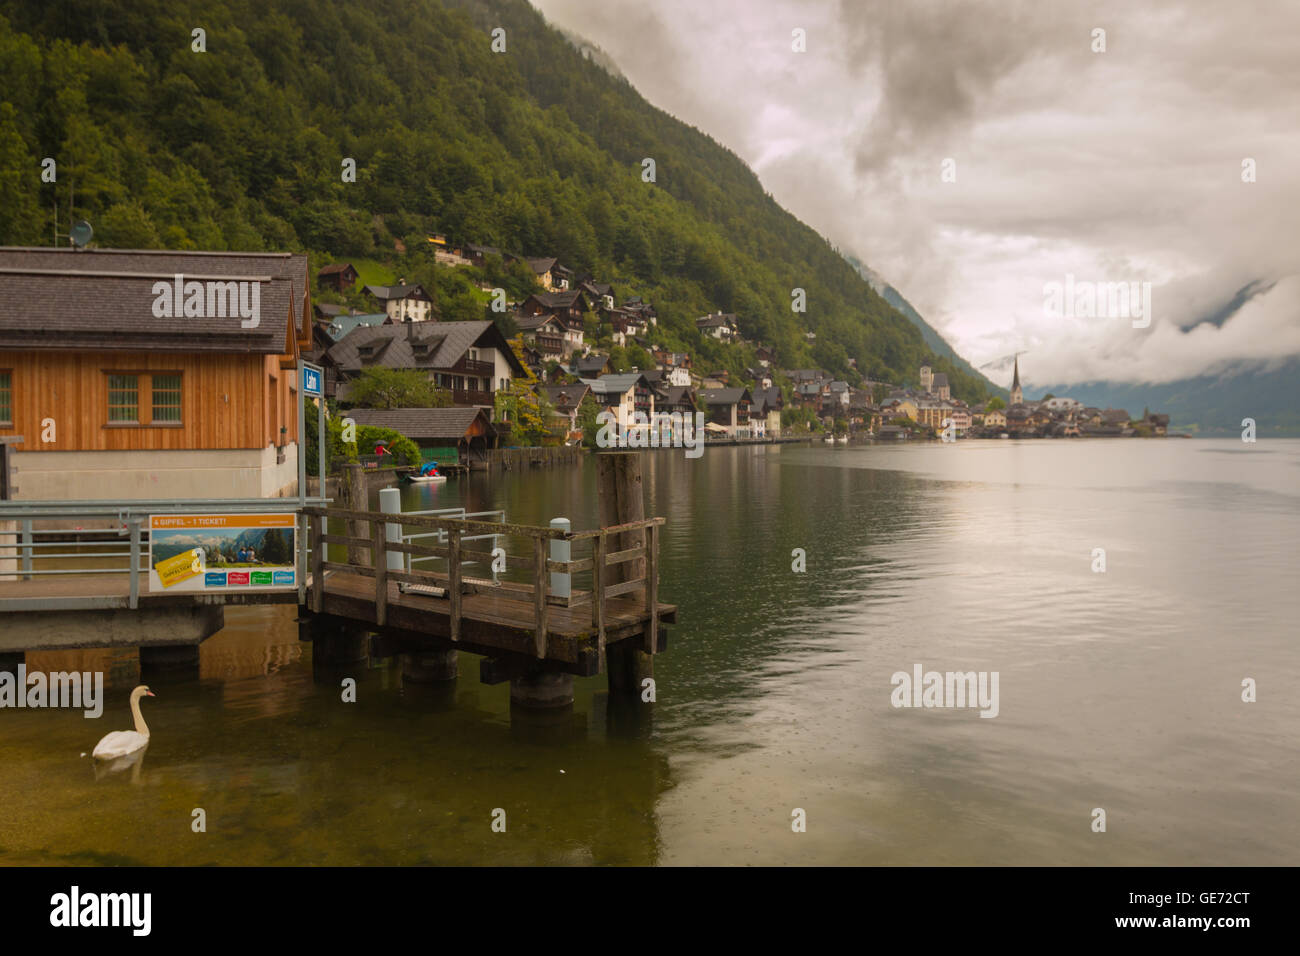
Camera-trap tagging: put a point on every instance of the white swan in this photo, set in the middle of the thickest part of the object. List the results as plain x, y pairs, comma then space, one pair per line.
122, 742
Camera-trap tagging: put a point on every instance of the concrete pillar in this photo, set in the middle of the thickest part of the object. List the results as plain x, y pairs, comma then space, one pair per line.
542, 691
430, 666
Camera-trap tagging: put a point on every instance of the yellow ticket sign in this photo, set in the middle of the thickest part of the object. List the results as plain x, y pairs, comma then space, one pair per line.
180, 567
223, 552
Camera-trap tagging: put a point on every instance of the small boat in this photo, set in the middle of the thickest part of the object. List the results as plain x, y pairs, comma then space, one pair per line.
427, 475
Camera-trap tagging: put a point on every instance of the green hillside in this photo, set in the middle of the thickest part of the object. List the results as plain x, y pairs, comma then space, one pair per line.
535, 150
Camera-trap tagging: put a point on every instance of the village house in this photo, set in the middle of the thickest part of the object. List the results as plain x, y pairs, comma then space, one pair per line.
728, 411
995, 418
545, 333
592, 365
564, 401
1158, 423
124, 385
600, 293
567, 307
340, 277
961, 419
446, 254
547, 272
721, 326
674, 398
404, 303
472, 360
478, 254
901, 408
765, 412
622, 394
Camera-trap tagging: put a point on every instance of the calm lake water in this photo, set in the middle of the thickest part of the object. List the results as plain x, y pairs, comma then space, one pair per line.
1119, 690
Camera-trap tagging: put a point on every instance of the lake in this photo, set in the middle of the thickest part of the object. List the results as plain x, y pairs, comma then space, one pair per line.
1119, 690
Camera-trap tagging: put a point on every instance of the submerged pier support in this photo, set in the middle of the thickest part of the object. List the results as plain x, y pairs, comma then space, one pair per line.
428, 667
544, 690
331, 642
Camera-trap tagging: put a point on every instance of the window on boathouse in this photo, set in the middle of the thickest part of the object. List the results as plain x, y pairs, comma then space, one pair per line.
6, 397
141, 398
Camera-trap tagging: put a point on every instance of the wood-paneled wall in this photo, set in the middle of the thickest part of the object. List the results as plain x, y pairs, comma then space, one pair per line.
226, 400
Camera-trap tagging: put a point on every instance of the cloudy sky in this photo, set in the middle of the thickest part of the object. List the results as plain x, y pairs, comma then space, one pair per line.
1117, 166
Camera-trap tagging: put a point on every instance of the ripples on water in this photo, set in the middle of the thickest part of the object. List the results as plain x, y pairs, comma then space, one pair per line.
1118, 690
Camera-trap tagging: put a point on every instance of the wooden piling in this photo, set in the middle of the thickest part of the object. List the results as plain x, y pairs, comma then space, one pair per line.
621, 499
354, 499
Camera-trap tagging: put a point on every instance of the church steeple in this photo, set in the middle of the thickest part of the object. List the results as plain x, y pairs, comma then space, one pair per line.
1017, 396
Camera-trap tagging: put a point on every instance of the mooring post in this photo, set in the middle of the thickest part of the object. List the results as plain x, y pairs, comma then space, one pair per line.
354, 499
390, 503
620, 500
561, 581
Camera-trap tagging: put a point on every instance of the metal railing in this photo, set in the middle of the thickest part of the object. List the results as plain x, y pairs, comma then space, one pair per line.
441, 534
22, 543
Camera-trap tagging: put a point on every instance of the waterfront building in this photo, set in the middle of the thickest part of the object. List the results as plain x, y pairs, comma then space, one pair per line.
126, 379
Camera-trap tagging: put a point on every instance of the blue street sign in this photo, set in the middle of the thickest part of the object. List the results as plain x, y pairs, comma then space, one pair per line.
310, 381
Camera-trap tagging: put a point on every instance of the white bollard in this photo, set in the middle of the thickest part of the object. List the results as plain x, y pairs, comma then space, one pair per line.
560, 551
390, 503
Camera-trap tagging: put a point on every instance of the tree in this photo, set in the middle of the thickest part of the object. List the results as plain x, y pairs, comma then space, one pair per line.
396, 388
521, 406
996, 403
588, 409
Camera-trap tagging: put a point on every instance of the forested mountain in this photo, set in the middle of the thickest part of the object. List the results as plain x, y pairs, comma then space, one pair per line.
937, 343
535, 150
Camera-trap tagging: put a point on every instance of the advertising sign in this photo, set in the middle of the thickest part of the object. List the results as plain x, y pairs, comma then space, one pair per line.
219, 552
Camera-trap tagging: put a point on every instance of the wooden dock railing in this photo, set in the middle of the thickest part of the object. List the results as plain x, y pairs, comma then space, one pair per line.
610, 574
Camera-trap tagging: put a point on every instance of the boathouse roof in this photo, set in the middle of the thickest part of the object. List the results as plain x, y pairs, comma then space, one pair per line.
424, 424
104, 299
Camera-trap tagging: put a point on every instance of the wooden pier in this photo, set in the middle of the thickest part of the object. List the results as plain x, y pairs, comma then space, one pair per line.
522, 629
570, 603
